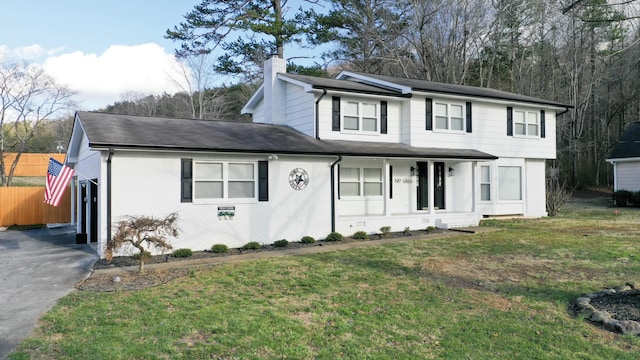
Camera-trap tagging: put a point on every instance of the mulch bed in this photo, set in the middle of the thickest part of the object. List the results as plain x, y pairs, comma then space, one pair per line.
132, 280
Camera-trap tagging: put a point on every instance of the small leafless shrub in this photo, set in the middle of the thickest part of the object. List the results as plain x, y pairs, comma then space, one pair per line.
143, 233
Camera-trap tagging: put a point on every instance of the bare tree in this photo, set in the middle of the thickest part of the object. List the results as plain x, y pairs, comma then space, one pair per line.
28, 98
143, 233
203, 100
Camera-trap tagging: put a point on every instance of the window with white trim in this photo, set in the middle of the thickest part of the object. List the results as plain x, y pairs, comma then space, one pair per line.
449, 116
485, 183
509, 183
361, 116
221, 180
360, 181
526, 123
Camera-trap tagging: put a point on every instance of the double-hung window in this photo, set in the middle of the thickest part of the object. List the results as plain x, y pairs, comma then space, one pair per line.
526, 123
485, 183
449, 116
222, 180
361, 116
360, 181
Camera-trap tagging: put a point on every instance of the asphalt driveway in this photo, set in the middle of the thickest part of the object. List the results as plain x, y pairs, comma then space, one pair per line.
37, 267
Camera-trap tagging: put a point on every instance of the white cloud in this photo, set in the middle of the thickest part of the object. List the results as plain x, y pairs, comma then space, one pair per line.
101, 80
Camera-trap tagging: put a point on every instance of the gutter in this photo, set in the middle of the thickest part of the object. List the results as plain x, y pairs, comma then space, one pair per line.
109, 194
324, 92
333, 193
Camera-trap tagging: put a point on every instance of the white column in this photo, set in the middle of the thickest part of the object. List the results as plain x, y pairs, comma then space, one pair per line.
74, 188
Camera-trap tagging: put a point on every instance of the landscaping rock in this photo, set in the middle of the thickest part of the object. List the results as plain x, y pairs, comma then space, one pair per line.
630, 327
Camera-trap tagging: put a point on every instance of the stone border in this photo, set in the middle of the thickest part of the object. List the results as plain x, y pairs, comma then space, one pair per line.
584, 307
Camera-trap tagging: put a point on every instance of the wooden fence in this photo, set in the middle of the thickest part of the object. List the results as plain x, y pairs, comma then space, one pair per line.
26, 206
30, 164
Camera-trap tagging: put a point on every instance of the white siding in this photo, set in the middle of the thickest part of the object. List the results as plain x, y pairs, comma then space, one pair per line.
394, 121
628, 175
535, 189
148, 183
300, 110
489, 133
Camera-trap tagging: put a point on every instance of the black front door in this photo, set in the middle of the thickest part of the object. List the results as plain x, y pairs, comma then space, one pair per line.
94, 210
83, 208
423, 186
438, 185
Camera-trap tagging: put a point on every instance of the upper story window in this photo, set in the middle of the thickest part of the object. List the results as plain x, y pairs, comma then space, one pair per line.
449, 116
219, 180
360, 116
453, 117
526, 123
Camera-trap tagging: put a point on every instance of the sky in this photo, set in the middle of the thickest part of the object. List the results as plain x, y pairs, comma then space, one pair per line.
103, 50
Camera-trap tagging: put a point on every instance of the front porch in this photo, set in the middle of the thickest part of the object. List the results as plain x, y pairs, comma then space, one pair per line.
371, 224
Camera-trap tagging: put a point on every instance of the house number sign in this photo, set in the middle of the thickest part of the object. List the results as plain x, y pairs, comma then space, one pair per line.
298, 179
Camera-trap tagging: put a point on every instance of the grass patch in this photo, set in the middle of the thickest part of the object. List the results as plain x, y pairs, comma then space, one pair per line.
494, 295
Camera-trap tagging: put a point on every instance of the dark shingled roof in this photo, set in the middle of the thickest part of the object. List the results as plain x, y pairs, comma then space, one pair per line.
629, 144
143, 132
452, 89
334, 84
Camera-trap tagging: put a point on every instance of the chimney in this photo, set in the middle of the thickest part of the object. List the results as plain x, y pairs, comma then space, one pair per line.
274, 91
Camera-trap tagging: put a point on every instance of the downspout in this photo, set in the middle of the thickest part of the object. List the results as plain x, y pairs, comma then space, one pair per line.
333, 193
109, 194
324, 92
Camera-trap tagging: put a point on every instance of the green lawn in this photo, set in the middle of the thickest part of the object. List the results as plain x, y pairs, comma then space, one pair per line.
496, 295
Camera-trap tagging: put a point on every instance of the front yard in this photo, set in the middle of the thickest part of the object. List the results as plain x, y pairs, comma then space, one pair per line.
497, 295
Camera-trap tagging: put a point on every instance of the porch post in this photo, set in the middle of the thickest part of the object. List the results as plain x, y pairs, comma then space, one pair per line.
73, 190
474, 187
430, 183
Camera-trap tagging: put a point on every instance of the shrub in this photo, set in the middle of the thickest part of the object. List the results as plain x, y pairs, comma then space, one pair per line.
386, 231
360, 235
253, 245
219, 248
281, 243
334, 236
622, 197
635, 199
430, 229
307, 240
406, 231
182, 253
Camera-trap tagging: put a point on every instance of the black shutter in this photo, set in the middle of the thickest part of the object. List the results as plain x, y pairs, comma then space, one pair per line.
263, 181
383, 117
542, 124
335, 113
509, 121
429, 114
390, 182
186, 180
469, 117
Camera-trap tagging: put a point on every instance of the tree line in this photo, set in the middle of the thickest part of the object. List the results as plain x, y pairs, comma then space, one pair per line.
583, 53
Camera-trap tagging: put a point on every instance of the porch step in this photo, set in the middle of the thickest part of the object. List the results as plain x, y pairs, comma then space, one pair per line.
459, 223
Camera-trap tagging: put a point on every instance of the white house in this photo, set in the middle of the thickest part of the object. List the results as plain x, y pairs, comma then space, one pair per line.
353, 153
625, 158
